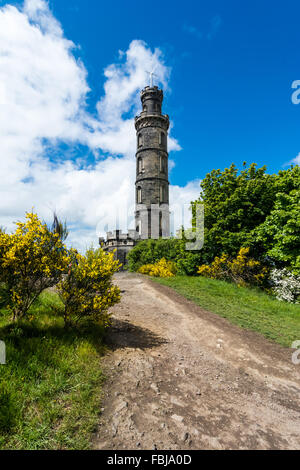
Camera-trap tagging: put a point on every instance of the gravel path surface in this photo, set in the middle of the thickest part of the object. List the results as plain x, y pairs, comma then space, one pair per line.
179, 377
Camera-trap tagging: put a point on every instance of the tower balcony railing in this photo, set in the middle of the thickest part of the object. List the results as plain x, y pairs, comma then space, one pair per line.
145, 113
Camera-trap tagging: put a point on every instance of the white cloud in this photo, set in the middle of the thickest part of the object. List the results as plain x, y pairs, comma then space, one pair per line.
43, 91
296, 160
180, 199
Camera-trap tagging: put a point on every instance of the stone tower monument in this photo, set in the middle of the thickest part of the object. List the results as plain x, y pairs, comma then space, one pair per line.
152, 216
152, 185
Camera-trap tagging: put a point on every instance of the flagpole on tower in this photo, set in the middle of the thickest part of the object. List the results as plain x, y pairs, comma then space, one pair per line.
152, 74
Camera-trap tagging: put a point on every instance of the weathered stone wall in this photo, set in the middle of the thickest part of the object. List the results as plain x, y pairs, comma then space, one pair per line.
119, 242
152, 185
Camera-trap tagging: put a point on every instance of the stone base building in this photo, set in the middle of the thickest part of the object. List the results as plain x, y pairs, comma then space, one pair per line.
121, 242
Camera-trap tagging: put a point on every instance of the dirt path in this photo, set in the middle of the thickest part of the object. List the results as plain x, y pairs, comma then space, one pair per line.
183, 378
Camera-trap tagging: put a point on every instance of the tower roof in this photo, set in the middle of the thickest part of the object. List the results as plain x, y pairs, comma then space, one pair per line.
153, 92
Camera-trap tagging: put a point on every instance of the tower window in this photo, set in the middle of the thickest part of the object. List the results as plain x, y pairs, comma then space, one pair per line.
140, 165
140, 140
162, 193
139, 195
162, 164
162, 139
160, 224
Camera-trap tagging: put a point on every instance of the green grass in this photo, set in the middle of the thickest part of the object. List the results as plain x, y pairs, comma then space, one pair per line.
245, 307
50, 387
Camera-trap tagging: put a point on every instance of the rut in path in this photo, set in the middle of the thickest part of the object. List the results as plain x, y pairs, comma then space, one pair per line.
179, 377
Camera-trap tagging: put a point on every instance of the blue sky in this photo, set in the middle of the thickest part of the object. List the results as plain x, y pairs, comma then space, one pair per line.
232, 67
70, 76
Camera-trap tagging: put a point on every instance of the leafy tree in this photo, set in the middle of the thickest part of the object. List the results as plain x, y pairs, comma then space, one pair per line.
280, 232
242, 209
234, 204
187, 261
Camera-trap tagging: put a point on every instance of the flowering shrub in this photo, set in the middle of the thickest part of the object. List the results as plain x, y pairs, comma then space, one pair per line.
242, 270
245, 270
162, 268
87, 290
31, 260
218, 268
285, 285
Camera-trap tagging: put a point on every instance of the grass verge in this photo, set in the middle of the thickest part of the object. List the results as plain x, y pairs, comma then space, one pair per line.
50, 386
245, 307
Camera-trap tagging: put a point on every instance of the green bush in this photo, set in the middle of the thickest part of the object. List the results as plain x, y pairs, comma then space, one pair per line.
280, 232
151, 251
252, 209
247, 208
173, 249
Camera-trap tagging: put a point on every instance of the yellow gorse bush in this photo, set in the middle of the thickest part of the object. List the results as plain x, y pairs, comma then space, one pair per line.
246, 269
217, 269
161, 268
87, 291
31, 259
242, 270
34, 258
